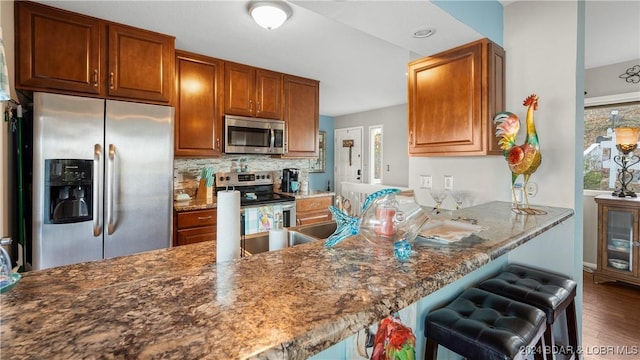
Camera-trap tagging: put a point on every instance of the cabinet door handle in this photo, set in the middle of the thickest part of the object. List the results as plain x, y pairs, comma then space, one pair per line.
411, 137
259, 106
111, 76
95, 77
251, 105
203, 218
218, 144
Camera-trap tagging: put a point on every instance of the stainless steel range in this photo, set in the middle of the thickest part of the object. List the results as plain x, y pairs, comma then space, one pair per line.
259, 204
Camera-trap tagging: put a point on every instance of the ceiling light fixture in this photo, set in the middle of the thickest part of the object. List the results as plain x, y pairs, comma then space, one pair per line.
269, 14
424, 32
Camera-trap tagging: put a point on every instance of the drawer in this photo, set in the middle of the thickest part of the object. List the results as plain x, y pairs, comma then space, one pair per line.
313, 217
195, 218
314, 203
196, 235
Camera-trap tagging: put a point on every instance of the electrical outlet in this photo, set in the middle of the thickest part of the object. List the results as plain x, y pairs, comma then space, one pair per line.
425, 182
448, 182
531, 189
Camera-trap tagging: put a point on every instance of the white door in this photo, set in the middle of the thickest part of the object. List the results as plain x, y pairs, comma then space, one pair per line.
348, 156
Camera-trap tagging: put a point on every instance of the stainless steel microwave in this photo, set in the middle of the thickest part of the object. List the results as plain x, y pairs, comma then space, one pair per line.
245, 135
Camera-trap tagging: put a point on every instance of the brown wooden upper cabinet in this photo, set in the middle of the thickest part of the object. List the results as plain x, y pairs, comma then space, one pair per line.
57, 49
65, 52
301, 104
141, 64
199, 102
453, 97
252, 92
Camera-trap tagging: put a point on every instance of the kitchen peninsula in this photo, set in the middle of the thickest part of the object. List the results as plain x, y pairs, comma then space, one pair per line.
288, 304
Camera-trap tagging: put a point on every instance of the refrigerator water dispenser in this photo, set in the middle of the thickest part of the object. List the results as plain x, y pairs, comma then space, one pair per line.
68, 190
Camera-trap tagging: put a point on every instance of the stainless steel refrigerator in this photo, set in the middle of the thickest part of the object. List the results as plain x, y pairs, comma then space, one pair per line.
102, 179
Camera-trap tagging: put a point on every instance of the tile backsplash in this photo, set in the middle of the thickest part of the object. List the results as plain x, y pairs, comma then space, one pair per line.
187, 171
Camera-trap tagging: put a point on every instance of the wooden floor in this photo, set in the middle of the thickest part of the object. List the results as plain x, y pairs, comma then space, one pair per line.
610, 320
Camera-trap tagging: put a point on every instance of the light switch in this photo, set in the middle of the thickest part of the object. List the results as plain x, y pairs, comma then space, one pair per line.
448, 182
425, 181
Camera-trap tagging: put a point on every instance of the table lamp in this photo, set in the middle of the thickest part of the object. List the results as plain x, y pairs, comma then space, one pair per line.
626, 142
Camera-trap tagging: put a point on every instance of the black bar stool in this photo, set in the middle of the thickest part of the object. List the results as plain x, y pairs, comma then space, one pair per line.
549, 292
482, 325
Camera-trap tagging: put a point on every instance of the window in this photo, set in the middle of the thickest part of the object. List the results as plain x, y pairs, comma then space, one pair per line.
375, 154
599, 144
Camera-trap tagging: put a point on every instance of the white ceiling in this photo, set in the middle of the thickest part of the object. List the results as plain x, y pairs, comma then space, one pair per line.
359, 50
612, 32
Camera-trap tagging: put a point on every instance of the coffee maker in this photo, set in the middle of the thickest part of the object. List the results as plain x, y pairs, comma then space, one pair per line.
290, 181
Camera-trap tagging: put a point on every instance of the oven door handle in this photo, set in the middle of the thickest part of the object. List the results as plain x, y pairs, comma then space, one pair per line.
288, 206
285, 207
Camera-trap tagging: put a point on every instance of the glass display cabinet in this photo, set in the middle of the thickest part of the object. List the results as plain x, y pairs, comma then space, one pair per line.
618, 241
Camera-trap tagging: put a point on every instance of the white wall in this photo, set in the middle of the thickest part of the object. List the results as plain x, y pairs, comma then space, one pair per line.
394, 140
543, 55
540, 45
544, 42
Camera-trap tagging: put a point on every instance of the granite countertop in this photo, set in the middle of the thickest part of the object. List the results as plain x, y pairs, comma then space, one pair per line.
289, 304
194, 204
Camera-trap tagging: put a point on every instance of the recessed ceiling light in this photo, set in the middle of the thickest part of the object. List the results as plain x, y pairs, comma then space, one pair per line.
424, 32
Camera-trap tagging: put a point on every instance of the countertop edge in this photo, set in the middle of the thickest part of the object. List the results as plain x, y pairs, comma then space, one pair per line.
527, 236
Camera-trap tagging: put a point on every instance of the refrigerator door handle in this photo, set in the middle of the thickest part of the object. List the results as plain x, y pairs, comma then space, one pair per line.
97, 155
109, 188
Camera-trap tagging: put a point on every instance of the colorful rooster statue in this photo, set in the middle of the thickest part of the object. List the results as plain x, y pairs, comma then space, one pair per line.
394, 341
523, 159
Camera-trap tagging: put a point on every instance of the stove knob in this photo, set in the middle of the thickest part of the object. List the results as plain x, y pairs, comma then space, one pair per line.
228, 178
268, 176
221, 178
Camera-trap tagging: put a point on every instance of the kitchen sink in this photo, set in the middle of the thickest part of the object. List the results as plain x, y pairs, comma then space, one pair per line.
319, 230
258, 243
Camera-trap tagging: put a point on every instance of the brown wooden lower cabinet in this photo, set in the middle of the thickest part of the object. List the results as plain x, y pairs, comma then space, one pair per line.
618, 239
196, 235
194, 226
314, 209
